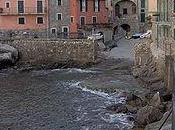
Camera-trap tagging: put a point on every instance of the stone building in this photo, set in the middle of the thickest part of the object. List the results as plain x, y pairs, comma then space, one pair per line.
59, 16
129, 16
163, 20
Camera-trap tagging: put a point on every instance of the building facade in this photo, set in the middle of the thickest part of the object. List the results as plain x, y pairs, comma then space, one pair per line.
23, 14
80, 17
59, 16
129, 16
163, 20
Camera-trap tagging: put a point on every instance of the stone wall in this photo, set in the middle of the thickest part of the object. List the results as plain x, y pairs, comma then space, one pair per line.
49, 52
149, 63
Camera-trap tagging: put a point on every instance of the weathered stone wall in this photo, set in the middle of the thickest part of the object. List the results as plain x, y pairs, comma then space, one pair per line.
48, 52
149, 64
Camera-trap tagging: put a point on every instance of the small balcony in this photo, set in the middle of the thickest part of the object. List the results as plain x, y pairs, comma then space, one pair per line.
22, 11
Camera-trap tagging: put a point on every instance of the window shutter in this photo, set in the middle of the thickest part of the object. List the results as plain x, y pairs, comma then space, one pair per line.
81, 5
94, 5
98, 5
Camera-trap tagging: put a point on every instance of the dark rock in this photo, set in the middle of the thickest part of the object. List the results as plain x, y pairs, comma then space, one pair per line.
117, 108
155, 101
147, 115
132, 109
8, 55
135, 101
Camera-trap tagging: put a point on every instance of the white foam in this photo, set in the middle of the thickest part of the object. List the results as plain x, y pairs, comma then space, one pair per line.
111, 97
117, 118
75, 70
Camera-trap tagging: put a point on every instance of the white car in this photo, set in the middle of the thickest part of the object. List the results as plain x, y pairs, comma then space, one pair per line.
97, 36
147, 34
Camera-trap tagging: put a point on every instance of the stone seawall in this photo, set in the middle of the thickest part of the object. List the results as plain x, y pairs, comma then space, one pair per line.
38, 52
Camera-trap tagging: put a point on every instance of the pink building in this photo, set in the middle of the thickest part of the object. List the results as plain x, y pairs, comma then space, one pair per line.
23, 14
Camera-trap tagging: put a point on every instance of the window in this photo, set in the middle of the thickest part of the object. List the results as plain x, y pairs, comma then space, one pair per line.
142, 17
96, 5
59, 2
72, 19
39, 6
94, 19
53, 30
125, 11
65, 29
59, 16
174, 6
7, 5
83, 5
142, 3
21, 20
82, 20
20, 6
40, 20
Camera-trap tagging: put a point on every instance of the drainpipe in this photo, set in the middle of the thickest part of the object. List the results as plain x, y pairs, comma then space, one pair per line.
48, 19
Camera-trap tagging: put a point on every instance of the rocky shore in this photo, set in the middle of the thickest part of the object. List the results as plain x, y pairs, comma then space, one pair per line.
146, 103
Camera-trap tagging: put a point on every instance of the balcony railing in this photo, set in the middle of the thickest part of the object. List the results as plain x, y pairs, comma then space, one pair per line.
24, 11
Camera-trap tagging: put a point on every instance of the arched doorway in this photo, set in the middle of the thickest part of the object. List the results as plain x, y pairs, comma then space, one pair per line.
126, 27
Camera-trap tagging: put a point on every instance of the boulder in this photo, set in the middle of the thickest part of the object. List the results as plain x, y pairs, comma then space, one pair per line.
155, 101
4, 48
8, 55
156, 125
135, 101
147, 115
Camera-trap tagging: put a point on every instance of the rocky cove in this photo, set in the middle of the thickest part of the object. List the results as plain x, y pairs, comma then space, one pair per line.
105, 96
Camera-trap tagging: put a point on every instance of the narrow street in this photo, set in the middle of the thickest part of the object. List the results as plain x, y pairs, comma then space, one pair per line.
124, 49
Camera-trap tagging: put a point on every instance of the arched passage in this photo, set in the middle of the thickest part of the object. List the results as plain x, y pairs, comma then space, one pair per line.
126, 27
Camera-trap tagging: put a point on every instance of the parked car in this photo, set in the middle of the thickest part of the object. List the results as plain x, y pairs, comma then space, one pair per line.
142, 35
97, 36
147, 34
137, 35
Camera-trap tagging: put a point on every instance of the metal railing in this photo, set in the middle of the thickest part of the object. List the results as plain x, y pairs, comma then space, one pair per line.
26, 10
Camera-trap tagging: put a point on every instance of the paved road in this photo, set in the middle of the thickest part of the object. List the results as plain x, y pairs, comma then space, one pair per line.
124, 49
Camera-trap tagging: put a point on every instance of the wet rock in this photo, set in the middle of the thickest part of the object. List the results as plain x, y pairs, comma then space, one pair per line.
156, 125
147, 115
135, 101
8, 55
155, 101
117, 108
4, 48
131, 109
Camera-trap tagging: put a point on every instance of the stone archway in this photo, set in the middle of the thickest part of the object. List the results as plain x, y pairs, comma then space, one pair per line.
126, 27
